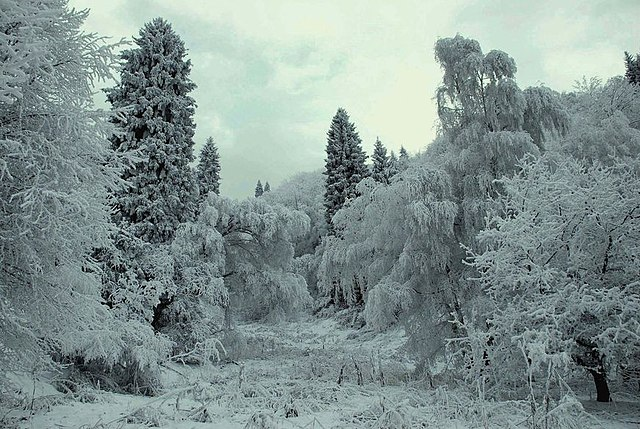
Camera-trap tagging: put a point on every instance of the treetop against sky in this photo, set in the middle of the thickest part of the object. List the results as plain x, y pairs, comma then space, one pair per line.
270, 76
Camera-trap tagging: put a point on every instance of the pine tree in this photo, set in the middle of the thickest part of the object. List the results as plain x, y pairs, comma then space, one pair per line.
403, 159
267, 187
345, 164
394, 165
159, 123
208, 170
380, 169
404, 155
259, 190
632, 66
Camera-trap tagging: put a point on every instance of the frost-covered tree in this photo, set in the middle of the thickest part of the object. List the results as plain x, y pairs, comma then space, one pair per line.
403, 158
632, 68
345, 164
208, 170
482, 113
194, 314
394, 166
258, 245
544, 116
304, 192
560, 268
56, 172
259, 189
477, 88
380, 170
604, 124
267, 187
395, 240
158, 123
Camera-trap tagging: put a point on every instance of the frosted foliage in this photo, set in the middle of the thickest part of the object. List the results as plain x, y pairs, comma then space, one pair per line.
385, 304
345, 164
208, 171
200, 293
477, 87
605, 122
138, 277
158, 122
56, 168
177, 288
561, 268
259, 189
258, 241
304, 192
475, 160
381, 169
396, 235
544, 114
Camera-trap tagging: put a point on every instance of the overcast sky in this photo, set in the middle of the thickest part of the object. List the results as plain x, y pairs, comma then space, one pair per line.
271, 74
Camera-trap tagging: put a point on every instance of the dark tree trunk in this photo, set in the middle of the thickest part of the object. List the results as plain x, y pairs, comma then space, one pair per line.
602, 388
590, 358
157, 321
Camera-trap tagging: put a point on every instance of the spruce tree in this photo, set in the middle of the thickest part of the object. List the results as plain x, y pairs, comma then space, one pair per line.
208, 170
345, 164
259, 190
632, 66
154, 85
394, 167
404, 157
267, 187
380, 171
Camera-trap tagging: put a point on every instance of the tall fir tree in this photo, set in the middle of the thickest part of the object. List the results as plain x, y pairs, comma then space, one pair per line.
345, 164
380, 171
632, 66
154, 84
259, 189
208, 170
403, 159
267, 187
394, 166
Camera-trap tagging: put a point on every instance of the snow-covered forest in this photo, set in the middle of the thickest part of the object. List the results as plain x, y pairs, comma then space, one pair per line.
490, 280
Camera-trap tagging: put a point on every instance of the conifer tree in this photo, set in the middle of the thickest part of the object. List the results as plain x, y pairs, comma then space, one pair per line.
632, 66
259, 190
154, 84
267, 187
208, 170
345, 164
404, 155
380, 172
394, 166
57, 169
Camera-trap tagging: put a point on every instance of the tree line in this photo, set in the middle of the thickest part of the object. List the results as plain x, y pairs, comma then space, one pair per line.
508, 249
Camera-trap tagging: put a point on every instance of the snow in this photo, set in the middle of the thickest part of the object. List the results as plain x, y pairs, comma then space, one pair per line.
288, 379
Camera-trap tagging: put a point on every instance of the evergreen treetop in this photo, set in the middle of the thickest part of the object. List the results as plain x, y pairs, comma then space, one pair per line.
632, 66
208, 169
380, 171
259, 189
345, 164
154, 87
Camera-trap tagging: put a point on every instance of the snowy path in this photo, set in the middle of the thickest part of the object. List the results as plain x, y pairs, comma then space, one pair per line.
288, 378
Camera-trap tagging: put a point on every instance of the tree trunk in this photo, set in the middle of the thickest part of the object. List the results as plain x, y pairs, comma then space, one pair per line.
590, 358
165, 301
602, 388
228, 317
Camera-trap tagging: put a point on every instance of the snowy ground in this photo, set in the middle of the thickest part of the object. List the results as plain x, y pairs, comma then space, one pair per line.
286, 376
